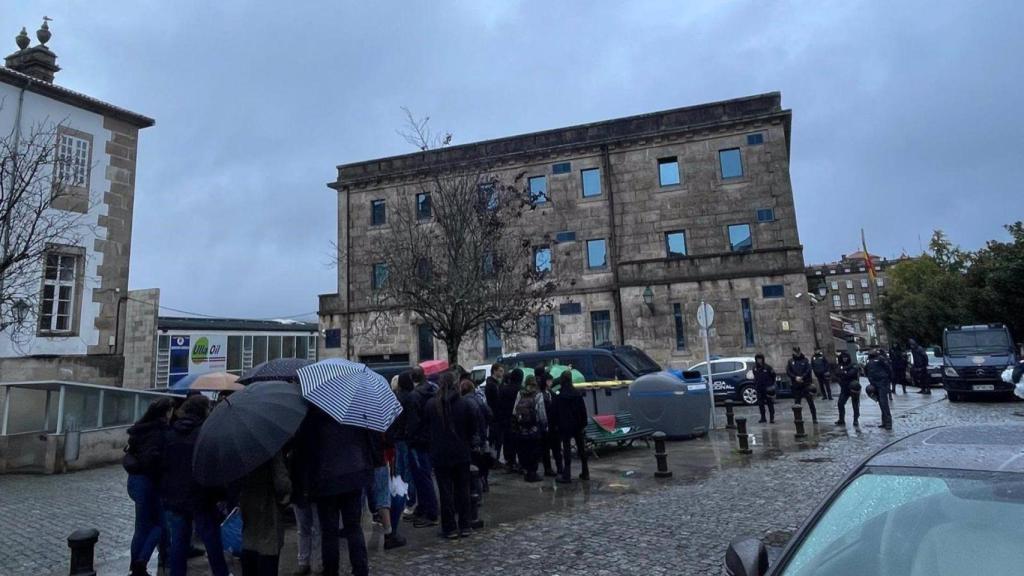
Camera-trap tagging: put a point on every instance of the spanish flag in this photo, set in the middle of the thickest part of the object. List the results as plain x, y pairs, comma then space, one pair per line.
868, 262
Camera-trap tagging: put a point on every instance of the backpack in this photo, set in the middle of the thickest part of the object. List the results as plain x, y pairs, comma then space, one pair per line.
524, 416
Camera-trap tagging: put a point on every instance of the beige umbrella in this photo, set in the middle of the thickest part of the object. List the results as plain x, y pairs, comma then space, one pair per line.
217, 382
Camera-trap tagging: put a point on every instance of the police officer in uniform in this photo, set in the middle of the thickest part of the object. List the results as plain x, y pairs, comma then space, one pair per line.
799, 371
849, 388
879, 373
764, 381
919, 367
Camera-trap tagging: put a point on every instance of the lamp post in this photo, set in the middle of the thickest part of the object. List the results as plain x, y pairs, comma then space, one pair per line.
648, 296
21, 309
814, 316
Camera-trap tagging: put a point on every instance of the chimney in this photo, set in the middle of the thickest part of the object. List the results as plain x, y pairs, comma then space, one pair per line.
36, 61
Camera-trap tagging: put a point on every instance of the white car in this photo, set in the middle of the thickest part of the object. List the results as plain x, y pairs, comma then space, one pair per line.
480, 373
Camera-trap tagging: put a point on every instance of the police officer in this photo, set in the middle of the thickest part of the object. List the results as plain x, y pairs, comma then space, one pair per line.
898, 359
879, 373
799, 371
849, 388
764, 381
919, 367
821, 368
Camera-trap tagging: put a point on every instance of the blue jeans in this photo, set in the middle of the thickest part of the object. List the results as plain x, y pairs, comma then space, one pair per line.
208, 530
403, 467
423, 478
148, 517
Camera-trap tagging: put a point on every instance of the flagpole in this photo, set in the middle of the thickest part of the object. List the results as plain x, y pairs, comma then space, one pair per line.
872, 287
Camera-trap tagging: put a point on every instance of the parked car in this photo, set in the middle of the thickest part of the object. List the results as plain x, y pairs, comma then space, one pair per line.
734, 378
944, 501
389, 371
599, 364
974, 359
934, 367
480, 373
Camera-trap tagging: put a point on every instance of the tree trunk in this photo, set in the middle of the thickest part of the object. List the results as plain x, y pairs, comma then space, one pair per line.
453, 350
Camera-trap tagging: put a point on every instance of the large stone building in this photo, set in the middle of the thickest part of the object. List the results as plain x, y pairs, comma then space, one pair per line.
71, 314
644, 217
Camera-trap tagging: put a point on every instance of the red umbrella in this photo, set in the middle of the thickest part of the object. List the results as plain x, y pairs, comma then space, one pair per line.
431, 367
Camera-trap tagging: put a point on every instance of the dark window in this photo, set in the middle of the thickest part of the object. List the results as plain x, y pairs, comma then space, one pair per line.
675, 244
424, 271
766, 215
570, 308
259, 347
538, 189
545, 332
601, 327
488, 196
424, 209
274, 348
755, 139
591, 178
380, 275
605, 368
492, 341
542, 259
597, 254
668, 171
561, 168
748, 322
234, 353
288, 346
425, 340
301, 347
565, 237
740, 238
731, 163
677, 313
332, 338
378, 213
773, 291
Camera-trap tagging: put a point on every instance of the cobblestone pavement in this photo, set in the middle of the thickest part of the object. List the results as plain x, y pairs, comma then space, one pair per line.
678, 528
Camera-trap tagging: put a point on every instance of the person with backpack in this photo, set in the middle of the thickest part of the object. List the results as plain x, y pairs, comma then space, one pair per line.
849, 388
799, 371
764, 382
529, 424
571, 414
142, 461
508, 392
453, 424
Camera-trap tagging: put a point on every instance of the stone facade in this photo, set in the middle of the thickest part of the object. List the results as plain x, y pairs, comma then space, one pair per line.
140, 332
632, 213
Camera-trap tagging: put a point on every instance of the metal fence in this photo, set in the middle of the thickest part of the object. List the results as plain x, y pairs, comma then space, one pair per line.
54, 407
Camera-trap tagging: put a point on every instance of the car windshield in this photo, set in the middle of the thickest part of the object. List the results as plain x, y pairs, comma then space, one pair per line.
917, 523
965, 342
636, 360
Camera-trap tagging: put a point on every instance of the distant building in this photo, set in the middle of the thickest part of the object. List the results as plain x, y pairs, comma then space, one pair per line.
846, 289
638, 218
77, 318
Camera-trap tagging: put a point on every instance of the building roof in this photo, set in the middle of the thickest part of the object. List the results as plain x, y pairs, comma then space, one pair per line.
747, 109
981, 447
77, 99
233, 325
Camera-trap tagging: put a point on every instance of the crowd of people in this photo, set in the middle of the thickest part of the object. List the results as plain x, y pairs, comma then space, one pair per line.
431, 467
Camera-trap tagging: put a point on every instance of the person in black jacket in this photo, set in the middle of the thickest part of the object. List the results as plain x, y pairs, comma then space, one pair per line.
496, 431
849, 388
185, 501
898, 360
764, 382
919, 368
879, 373
507, 394
552, 443
419, 449
402, 430
570, 417
822, 368
142, 460
799, 371
454, 427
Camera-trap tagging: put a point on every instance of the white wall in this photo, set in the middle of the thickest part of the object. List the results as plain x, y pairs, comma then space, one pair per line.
36, 110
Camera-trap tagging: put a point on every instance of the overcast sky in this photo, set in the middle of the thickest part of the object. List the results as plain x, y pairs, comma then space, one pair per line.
906, 115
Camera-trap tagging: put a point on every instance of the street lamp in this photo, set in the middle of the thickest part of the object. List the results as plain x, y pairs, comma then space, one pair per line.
21, 309
649, 298
814, 315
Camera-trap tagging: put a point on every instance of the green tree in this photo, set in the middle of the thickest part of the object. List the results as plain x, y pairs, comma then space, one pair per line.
996, 282
924, 296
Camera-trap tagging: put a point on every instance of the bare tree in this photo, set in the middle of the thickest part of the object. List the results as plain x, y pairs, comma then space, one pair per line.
470, 263
34, 177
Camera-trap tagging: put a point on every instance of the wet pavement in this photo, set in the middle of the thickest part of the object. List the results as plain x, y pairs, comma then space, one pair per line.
624, 521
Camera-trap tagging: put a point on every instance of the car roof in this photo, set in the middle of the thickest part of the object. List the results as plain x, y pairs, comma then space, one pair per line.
730, 359
979, 447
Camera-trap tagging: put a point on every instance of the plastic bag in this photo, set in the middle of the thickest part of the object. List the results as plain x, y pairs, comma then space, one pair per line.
1019, 389
231, 532
1008, 375
399, 487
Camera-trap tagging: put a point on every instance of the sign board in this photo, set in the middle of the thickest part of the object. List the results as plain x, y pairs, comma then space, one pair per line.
197, 354
705, 315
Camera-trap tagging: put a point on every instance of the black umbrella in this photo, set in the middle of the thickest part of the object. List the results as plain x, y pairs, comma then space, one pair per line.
246, 430
285, 369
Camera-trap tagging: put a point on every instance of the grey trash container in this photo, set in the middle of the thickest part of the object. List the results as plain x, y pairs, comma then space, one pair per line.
663, 402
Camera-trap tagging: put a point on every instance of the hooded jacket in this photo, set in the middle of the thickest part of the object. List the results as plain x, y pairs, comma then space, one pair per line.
507, 394
878, 371
798, 366
145, 449
179, 490
569, 412
820, 365
453, 433
764, 376
918, 356
847, 370
418, 434
330, 458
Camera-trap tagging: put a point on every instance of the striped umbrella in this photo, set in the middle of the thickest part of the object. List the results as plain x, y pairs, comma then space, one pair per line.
351, 393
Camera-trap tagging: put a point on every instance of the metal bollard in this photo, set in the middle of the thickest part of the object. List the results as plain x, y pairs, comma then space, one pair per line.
798, 420
741, 435
475, 498
82, 543
730, 418
661, 456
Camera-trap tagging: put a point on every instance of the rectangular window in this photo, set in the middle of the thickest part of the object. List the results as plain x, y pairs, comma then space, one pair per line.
380, 276
561, 168
601, 327
851, 299
301, 347
288, 346
542, 259
668, 171
488, 193
425, 338
731, 163
866, 298
675, 244
849, 284
570, 308
424, 208
332, 338
748, 322
879, 282
740, 238
538, 189
565, 237
773, 291
755, 139
545, 332
591, 178
597, 254
56, 307
863, 282
837, 302
767, 215
274, 348
378, 213
73, 161
677, 314
234, 360
259, 350
835, 285
492, 341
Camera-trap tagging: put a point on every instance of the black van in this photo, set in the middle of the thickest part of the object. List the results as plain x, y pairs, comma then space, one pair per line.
596, 364
974, 358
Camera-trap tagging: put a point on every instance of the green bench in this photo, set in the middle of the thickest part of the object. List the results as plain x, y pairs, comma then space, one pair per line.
625, 432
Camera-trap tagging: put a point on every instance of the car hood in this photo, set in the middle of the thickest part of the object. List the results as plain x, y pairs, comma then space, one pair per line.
978, 360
